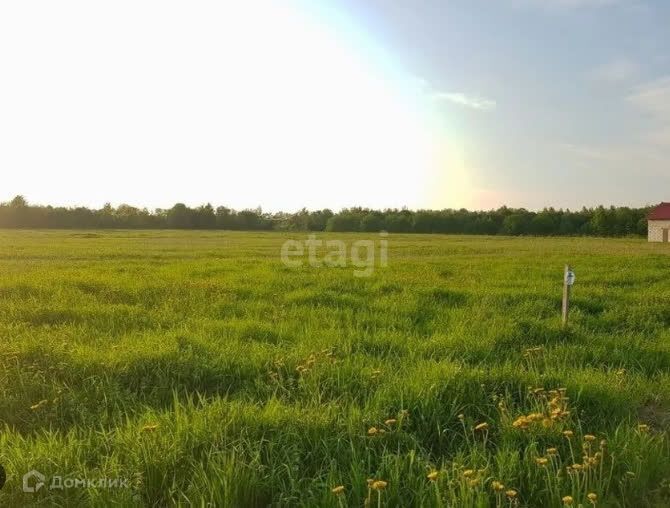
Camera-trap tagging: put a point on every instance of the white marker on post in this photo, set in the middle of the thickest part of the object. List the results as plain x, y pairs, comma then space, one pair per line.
568, 281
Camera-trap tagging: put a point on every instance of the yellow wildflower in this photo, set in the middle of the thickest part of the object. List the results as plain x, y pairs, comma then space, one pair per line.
593, 497
372, 431
521, 423
511, 493
497, 486
589, 438
552, 451
541, 461
568, 434
379, 485
390, 421
432, 476
482, 426
468, 473
339, 490
567, 500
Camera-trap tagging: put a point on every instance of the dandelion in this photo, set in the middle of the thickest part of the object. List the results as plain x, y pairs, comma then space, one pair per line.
568, 434
592, 497
567, 500
497, 486
541, 461
370, 482
589, 438
511, 493
390, 421
461, 417
338, 491
643, 427
521, 423
577, 467
482, 426
552, 451
473, 482
150, 427
372, 431
379, 485
468, 473
432, 476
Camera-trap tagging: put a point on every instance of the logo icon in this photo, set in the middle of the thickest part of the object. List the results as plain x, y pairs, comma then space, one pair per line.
39, 481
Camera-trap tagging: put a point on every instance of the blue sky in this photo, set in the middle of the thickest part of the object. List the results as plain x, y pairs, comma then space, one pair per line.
335, 103
581, 91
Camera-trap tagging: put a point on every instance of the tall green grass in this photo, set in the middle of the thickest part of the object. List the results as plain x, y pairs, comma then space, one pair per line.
204, 372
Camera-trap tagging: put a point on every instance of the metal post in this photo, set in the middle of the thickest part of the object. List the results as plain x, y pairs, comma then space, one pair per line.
567, 283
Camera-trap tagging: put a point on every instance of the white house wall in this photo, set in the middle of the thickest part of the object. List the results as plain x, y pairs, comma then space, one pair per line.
656, 228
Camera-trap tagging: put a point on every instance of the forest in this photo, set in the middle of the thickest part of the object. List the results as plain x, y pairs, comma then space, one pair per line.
598, 221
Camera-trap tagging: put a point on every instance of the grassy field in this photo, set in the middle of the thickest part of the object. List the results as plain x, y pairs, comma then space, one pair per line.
195, 368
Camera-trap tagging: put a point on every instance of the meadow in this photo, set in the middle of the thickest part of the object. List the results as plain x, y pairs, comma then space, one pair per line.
195, 369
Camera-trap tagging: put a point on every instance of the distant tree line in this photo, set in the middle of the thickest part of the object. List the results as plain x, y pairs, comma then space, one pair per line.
600, 221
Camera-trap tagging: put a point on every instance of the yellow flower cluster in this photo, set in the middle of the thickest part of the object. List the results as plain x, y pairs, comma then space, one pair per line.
308, 363
390, 423
590, 460
497, 486
553, 408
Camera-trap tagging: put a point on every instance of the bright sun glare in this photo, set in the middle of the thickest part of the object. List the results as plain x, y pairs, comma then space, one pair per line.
243, 103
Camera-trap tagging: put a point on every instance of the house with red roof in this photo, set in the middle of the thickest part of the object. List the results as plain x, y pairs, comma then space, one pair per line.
659, 223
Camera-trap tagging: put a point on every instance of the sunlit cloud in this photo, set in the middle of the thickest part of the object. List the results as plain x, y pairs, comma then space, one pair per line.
619, 70
653, 97
468, 101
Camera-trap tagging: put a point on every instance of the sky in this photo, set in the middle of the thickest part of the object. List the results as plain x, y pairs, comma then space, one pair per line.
285, 104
